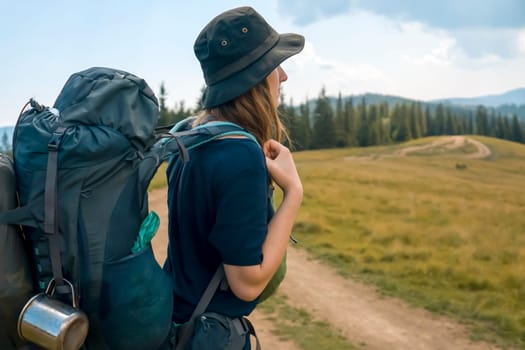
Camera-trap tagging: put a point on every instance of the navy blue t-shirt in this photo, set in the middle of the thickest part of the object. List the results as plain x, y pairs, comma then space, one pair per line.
218, 213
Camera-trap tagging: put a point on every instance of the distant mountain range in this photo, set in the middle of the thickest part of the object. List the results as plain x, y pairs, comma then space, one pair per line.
512, 97
509, 103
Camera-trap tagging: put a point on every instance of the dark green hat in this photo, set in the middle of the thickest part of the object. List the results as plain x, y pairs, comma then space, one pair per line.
237, 50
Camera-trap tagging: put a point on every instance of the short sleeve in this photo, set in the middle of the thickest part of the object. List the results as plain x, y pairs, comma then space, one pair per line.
242, 208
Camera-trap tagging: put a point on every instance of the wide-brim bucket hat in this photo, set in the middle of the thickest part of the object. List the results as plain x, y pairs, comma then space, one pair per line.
237, 50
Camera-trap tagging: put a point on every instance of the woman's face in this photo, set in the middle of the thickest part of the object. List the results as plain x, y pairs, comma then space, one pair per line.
276, 77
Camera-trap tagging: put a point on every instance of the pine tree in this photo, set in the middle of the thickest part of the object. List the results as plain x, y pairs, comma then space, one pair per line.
481, 121
461, 124
304, 131
341, 137
499, 128
163, 110
491, 122
362, 124
282, 111
470, 123
414, 121
5, 147
400, 126
430, 122
374, 125
324, 130
440, 120
516, 130
421, 118
178, 113
448, 127
350, 123
384, 123
507, 129
199, 106
292, 124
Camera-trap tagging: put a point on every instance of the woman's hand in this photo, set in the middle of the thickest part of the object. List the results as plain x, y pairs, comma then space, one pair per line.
281, 166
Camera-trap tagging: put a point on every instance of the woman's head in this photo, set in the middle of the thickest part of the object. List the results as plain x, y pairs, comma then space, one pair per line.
240, 55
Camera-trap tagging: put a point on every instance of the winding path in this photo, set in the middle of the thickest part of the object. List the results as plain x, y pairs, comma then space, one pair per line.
363, 316
450, 143
443, 144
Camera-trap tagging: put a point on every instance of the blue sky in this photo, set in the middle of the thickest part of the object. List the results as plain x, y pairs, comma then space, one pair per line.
412, 48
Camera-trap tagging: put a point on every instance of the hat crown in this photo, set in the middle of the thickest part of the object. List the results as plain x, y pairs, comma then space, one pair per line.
232, 41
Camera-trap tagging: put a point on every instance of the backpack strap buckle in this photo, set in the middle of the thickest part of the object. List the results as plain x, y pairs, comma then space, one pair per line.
56, 139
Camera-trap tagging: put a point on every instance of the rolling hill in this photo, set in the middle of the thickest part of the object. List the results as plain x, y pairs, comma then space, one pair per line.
512, 97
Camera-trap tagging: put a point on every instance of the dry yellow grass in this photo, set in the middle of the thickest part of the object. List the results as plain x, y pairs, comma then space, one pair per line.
451, 240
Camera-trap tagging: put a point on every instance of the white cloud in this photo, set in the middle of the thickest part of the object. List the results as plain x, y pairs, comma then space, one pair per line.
442, 54
521, 41
310, 71
364, 52
310, 59
479, 29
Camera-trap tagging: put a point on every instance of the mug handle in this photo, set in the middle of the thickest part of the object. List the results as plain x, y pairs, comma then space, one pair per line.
50, 290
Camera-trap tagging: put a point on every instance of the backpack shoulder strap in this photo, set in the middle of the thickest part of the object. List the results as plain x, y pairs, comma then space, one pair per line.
179, 142
218, 129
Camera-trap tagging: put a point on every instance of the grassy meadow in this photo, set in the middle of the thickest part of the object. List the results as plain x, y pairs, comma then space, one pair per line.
434, 228
447, 239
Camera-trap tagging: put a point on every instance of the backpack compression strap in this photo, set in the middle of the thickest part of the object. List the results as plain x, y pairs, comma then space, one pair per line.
51, 206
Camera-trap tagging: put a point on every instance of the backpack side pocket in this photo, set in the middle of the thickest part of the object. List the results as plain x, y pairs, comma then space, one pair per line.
136, 302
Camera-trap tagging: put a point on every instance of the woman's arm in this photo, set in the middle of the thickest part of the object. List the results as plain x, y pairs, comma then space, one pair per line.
248, 282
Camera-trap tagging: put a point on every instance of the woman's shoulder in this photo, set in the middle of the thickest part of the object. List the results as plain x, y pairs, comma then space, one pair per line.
237, 149
233, 156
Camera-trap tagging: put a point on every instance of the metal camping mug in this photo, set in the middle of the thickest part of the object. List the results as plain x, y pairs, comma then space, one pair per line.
52, 324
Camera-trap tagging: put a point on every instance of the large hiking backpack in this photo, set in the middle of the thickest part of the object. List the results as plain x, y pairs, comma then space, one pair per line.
83, 168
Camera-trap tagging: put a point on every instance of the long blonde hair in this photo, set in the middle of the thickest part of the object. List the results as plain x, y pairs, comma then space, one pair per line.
255, 111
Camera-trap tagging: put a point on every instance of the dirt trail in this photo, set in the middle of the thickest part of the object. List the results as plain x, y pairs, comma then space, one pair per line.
448, 144
443, 144
364, 317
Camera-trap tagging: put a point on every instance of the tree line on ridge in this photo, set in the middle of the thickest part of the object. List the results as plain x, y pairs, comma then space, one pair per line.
326, 122
349, 122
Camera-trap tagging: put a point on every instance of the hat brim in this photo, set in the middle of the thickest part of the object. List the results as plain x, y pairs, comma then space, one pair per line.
234, 86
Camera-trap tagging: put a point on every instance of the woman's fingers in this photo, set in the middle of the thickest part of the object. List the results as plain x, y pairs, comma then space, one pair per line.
271, 149
281, 165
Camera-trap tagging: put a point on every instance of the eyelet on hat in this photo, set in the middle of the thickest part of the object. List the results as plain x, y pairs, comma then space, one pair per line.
244, 30
224, 42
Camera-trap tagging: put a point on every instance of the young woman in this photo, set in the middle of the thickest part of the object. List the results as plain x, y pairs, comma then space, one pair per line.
220, 209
